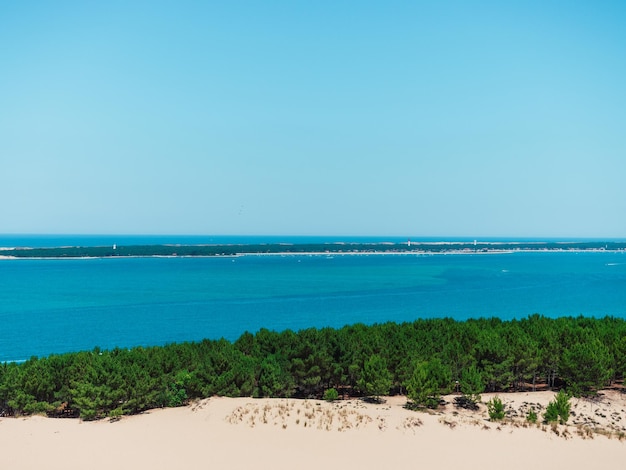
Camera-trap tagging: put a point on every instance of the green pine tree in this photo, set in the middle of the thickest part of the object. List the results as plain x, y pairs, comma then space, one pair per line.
472, 384
375, 379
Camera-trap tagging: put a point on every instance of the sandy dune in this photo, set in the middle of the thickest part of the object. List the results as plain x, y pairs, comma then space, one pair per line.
311, 434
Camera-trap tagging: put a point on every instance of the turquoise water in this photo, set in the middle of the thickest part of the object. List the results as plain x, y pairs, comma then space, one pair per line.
53, 306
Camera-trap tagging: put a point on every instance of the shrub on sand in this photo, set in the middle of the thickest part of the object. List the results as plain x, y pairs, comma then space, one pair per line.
495, 407
331, 394
558, 409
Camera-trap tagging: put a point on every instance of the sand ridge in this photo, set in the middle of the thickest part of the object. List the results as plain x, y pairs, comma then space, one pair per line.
603, 415
309, 434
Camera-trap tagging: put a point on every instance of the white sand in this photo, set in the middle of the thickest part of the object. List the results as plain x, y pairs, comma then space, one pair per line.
225, 433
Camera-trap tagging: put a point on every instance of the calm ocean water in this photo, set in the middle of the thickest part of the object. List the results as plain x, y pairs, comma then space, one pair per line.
53, 306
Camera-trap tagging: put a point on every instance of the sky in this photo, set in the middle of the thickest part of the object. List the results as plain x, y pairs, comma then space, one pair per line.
446, 118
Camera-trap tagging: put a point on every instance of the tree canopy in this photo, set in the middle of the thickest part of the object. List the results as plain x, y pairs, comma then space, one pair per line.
425, 358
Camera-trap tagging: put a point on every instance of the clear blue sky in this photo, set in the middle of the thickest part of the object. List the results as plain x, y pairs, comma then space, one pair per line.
314, 118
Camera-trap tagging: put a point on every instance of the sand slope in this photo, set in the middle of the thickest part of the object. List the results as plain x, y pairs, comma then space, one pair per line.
311, 434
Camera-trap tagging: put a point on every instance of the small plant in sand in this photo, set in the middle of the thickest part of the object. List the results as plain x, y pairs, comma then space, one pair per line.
558, 410
495, 407
331, 394
584, 432
412, 422
531, 417
450, 424
554, 427
116, 414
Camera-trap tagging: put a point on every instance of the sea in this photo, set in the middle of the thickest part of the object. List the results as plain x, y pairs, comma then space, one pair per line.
50, 306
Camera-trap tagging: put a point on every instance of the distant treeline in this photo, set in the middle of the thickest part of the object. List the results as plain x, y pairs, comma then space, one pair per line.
233, 250
579, 354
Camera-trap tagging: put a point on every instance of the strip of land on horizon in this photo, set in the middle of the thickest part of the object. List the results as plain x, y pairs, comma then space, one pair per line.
310, 248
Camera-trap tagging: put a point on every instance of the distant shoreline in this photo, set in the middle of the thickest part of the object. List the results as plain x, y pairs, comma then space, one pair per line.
307, 249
